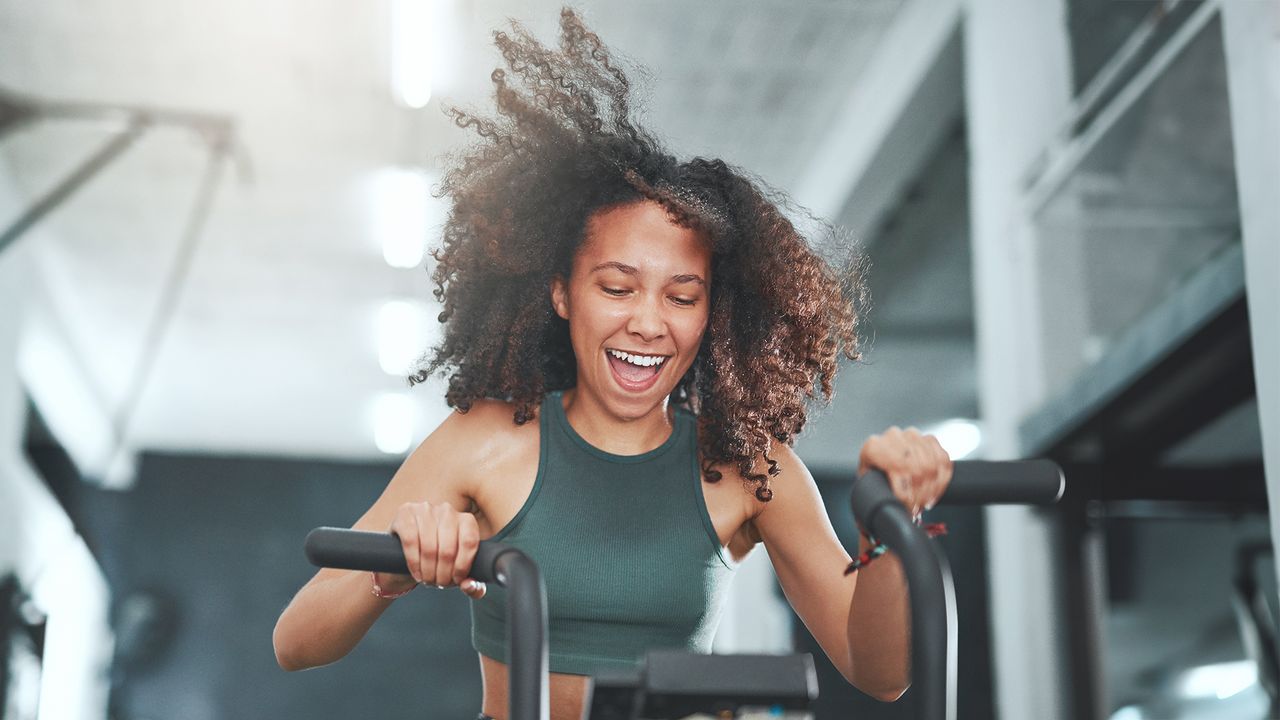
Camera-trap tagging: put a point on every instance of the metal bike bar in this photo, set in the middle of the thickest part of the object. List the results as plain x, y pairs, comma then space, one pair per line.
528, 691
878, 511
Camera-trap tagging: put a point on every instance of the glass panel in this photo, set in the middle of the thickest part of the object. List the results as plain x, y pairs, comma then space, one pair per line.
1150, 203
1098, 28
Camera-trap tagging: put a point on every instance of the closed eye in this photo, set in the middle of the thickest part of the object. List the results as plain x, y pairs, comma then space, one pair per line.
687, 302
616, 292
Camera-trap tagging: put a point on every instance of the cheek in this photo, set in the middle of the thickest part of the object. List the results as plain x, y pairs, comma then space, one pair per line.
591, 318
692, 331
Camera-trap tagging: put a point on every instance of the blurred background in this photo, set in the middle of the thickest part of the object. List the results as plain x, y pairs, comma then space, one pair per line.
214, 220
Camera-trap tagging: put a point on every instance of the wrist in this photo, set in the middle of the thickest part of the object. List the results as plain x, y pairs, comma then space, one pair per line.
389, 586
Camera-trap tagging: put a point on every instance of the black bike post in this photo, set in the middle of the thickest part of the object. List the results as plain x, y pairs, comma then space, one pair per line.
528, 691
885, 518
877, 510
528, 682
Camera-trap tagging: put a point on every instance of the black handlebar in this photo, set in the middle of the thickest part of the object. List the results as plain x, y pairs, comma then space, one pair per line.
1005, 482
1033, 482
1038, 482
528, 682
381, 552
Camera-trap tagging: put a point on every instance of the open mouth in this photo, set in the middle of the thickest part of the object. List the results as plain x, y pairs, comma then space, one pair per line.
634, 371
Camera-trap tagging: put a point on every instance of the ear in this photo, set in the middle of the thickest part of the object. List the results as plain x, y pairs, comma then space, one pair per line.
560, 297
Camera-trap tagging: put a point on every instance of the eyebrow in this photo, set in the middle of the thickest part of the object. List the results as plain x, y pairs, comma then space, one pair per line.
629, 270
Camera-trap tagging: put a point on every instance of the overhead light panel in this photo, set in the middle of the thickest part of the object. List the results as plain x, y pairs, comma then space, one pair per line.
424, 49
393, 423
406, 331
402, 214
411, 71
959, 437
1219, 680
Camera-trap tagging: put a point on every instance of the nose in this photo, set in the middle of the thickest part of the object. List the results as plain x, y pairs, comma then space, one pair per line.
647, 322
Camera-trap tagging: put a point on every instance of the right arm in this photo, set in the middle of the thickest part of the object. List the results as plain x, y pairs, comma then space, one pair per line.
334, 610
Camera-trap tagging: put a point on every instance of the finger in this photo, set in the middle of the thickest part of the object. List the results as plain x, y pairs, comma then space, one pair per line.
911, 468
468, 543
447, 543
870, 449
944, 470
429, 544
901, 485
927, 473
473, 588
406, 528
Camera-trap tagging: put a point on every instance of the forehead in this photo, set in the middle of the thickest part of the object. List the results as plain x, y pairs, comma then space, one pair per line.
643, 236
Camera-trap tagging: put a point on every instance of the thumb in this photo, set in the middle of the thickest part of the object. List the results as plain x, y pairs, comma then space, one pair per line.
473, 588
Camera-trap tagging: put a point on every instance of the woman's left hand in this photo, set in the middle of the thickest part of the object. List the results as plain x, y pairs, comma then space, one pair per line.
918, 469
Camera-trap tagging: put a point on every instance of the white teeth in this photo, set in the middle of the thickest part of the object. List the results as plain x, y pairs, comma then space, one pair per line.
641, 360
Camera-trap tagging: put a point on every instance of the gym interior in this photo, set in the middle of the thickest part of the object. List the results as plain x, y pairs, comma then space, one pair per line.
1071, 217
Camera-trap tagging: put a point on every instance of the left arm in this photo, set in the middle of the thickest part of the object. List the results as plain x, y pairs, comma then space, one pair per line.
861, 621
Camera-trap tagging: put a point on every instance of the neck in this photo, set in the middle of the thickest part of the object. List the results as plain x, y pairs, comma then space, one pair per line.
612, 433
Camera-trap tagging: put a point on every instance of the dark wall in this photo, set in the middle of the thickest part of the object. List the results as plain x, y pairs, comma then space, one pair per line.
209, 551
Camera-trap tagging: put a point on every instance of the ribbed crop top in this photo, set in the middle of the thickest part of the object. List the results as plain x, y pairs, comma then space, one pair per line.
626, 547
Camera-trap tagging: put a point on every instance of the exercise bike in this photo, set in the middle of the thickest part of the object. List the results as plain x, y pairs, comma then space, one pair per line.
674, 684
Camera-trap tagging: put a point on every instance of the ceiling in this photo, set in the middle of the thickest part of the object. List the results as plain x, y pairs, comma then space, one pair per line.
271, 342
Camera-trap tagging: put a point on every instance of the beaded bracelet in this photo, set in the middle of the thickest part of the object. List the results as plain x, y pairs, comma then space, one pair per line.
878, 548
377, 589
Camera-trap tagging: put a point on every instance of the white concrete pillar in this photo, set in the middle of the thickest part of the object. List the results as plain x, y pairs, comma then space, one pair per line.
1251, 37
1018, 88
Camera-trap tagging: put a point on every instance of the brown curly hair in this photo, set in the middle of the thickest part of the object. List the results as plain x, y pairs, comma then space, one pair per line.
564, 146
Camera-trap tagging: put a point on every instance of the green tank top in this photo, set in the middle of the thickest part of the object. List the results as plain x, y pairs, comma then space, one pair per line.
627, 551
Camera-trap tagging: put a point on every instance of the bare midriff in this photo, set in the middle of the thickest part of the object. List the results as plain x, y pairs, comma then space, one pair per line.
567, 692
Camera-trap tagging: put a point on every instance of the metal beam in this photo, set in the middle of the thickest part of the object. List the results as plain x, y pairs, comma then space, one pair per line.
166, 306
14, 113
70, 184
17, 110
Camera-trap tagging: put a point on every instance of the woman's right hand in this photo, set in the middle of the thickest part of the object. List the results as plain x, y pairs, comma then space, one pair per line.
439, 546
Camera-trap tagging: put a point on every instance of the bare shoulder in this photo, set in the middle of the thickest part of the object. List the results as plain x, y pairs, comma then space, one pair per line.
793, 477
487, 434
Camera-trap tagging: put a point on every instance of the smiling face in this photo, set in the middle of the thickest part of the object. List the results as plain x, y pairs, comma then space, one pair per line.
637, 303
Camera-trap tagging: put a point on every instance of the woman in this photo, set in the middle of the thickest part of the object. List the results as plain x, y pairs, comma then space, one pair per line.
630, 343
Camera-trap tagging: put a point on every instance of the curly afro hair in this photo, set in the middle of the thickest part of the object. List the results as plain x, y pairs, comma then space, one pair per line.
563, 146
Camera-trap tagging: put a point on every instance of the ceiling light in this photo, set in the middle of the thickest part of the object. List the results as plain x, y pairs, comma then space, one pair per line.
406, 331
425, 52
959, 437
393, 423
402, 205
1220, 680
411, 36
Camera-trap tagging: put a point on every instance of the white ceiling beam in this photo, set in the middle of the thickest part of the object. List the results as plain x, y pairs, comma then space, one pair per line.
876, 101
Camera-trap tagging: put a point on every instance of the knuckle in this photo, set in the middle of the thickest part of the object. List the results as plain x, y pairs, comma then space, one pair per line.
469, 533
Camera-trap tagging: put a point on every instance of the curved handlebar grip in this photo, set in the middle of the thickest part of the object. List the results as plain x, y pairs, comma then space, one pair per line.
527, 679
347, 549
879, 512
1005, 482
